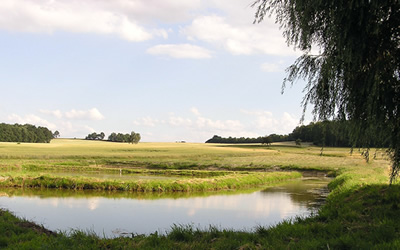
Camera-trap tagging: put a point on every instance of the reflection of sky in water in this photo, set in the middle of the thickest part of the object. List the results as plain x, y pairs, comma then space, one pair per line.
104, 215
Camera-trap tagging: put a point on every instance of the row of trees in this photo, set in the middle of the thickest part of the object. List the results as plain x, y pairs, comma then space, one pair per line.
25, 133
333, 134
261, 139
116, 137
129, 138
95, 136
326, 133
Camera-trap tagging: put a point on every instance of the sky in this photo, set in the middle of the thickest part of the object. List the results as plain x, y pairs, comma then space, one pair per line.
170, 70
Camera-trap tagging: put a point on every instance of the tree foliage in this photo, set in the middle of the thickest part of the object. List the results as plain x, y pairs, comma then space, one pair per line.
129, 138
261, 139
356, 74
328, 133
24, 133
116, 137
56, 134
95, 136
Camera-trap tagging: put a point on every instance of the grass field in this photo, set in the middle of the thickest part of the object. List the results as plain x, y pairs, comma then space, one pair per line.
70, 154
361, 211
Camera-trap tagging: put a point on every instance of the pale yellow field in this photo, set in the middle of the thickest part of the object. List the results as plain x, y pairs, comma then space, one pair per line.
70, 152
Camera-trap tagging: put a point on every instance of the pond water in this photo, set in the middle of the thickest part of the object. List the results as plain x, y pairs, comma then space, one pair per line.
112, 214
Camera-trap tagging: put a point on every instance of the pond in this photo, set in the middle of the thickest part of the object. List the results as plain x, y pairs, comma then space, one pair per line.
112, 214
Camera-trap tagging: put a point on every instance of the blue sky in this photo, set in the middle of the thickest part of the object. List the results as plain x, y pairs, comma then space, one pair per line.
170, 70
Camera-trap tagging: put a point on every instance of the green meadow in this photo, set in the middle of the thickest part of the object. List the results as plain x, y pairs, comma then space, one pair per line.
361, 210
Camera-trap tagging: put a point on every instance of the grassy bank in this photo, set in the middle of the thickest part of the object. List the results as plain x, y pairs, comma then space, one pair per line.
228, 181
361, 211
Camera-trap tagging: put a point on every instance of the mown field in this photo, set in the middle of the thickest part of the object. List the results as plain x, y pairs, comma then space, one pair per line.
361, 210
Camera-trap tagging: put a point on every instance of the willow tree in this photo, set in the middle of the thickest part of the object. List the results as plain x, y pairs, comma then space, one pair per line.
355, 73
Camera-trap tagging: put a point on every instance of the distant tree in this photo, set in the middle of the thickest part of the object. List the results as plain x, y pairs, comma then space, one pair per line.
56, 134
91, 136
112, 137
95, 136
134, 137
120, 137
138, 137
266, 140
298, 142
101, 136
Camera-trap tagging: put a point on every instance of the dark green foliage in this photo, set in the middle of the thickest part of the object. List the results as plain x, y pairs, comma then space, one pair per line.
95, 136
114, 137
130, 138
56, 134
262, 139
329, 133
24, 133
356, 74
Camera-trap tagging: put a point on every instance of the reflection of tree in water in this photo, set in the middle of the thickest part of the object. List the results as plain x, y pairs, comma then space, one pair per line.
84, 194
310, 192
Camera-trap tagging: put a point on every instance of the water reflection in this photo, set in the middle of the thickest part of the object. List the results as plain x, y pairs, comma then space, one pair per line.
110, 213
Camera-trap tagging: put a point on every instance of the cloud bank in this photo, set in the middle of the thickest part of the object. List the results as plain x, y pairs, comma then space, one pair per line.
198, 128
180, 51
221, 24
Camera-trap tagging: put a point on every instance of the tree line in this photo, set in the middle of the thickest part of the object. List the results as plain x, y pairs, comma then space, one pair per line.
261, 139
25, 133
335, 134
326, 133
116, 137
95, 136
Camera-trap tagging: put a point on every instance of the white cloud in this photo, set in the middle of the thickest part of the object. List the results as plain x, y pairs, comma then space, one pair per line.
69, 129
271, 67
88, 128
209, 124
225, 24
31, 119
249, 123
256, 112
267, 122
91, 114
168, 11
146, 121
56, 113
238, 38
87, 16
195, 111
180, 51
179, 121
